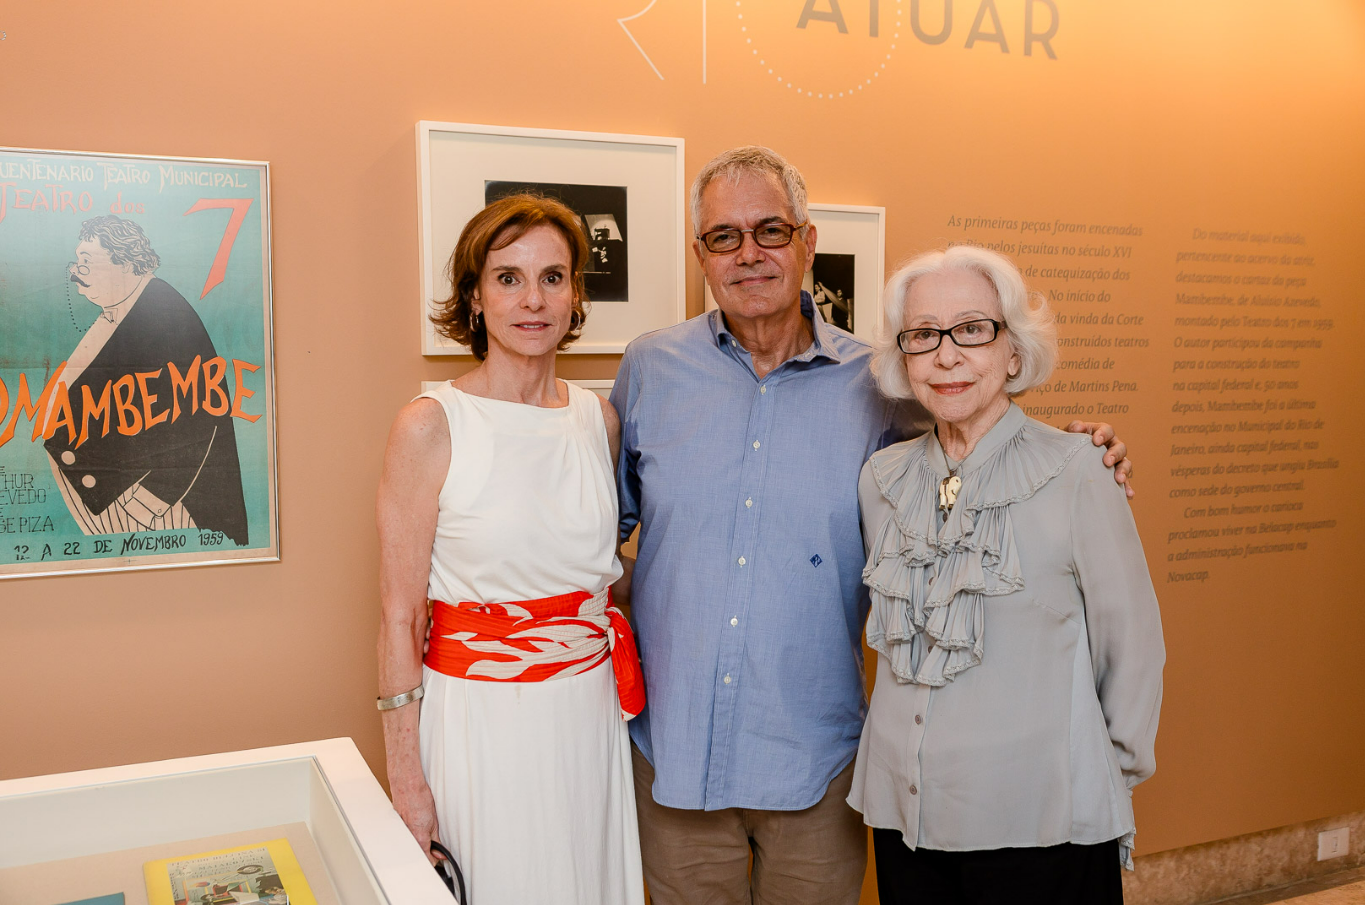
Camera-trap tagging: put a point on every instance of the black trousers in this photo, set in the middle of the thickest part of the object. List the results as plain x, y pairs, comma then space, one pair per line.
1064, 874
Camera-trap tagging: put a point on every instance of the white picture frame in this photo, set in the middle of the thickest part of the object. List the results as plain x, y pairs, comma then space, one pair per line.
599, 386
456, 162
860, 231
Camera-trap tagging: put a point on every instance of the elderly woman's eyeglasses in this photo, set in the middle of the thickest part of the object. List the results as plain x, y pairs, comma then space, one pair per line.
766, 235
966, 335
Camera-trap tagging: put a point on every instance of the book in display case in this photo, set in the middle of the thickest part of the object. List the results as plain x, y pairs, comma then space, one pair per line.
302, 824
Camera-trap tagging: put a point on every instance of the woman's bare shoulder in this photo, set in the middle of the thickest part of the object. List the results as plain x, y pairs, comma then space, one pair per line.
420, 437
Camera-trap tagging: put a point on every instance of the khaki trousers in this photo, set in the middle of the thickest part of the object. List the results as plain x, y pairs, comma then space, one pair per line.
817, 855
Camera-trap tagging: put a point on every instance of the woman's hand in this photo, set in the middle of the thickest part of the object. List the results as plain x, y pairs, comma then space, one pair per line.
1102, 434
620, 591
415, 804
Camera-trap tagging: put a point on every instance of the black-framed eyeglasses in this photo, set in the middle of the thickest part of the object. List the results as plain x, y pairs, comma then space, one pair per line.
966, 335
766, 235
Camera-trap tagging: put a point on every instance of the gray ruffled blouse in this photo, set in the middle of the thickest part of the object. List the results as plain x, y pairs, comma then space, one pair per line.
1019, 645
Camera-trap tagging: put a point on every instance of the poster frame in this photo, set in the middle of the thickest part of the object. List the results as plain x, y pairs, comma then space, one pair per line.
662, 292
272, 552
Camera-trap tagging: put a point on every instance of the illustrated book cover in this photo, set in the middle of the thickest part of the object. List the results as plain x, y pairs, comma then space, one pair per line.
265, 873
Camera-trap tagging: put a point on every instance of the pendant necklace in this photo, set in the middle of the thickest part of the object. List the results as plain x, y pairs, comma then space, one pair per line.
949, 486
947, 492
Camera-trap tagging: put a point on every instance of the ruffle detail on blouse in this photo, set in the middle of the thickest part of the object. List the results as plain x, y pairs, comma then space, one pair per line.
929, 586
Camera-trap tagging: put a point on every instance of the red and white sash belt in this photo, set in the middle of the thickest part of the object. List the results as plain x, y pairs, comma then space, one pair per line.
536, 641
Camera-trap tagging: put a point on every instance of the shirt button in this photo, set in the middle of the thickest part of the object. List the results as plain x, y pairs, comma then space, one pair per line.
763, 391
742, 560
749, 503
756, 444
88, 481
913, 790
68, 457
918, 719
727, 678
734, 620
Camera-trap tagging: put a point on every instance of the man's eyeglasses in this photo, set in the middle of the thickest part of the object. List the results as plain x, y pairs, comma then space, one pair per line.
966, 335
82, 269
766, 235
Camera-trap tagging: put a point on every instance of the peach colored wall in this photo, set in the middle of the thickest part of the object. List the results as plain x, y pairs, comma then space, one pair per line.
1161, 112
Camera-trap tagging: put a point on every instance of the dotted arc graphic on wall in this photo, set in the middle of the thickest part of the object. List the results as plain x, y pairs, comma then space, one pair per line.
823, 50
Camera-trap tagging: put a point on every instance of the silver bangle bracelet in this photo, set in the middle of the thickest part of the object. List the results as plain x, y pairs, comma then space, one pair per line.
399, 700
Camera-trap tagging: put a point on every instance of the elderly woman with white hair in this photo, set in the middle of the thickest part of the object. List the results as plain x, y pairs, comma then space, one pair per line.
998, 770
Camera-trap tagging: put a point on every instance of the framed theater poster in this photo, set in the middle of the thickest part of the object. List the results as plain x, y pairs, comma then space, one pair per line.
626, 189
137, 423
846, 277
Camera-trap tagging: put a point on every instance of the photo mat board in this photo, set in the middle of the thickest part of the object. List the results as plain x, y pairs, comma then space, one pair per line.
137, 425
627, 190
846, 278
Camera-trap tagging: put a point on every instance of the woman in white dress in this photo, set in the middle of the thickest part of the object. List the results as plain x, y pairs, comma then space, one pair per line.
497, 524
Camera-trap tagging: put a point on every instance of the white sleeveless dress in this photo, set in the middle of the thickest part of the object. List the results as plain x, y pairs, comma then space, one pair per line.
532, 780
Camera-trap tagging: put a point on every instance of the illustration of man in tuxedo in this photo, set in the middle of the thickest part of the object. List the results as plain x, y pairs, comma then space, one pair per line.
153, 472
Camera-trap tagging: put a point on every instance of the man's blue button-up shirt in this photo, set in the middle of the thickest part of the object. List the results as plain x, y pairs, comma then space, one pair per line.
747, 596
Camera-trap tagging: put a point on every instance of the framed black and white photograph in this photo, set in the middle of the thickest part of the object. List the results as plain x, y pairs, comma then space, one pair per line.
846, 277
831, 282
626, 189
602, 214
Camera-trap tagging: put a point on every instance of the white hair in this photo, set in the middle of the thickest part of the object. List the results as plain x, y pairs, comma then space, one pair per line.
1030, 328
750, 159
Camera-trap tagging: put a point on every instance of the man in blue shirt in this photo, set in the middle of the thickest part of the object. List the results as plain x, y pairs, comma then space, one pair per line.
743, 433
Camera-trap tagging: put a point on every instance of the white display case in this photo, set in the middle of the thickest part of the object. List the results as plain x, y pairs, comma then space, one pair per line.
76, 824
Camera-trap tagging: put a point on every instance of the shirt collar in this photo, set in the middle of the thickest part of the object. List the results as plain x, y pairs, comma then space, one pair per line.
821, 347
115, 314
1009, 424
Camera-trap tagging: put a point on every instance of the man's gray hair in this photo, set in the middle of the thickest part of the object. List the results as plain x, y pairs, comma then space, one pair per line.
124, 240
1030, 327
736, 162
